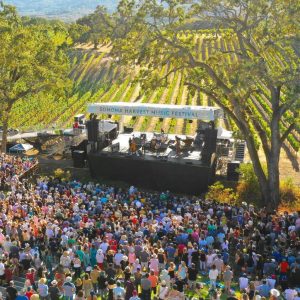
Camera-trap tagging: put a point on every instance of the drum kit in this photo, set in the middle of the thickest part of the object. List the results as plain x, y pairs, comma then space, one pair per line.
159, 143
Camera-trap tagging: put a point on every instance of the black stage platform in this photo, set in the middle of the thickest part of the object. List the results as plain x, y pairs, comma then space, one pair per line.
155, 174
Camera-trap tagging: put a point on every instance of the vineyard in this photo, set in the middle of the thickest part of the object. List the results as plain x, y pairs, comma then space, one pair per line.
97, 78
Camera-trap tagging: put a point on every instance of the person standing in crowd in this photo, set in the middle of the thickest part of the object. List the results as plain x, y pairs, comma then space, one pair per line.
11, 291
43, 289
68, 289
227, 276
54, 291
146, 287
84, 237
119, 291
213, 275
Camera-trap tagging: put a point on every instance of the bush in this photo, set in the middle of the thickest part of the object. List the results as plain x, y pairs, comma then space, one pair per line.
62, 175
220, 193
289, 195
248, 189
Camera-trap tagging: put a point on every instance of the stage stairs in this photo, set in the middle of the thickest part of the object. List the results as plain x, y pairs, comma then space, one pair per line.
240, 151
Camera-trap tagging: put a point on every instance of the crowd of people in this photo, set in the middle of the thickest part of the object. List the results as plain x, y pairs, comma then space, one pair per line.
13, 167
72, 240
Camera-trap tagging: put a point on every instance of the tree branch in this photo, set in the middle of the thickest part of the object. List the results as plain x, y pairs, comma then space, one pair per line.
287, 132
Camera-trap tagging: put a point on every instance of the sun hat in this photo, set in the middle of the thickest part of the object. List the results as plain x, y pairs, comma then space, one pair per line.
54, 282
68, 279
275, 293
43, 280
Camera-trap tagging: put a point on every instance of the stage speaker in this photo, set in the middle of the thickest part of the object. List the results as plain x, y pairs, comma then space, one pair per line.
78, 159
89, 148
93, 130
205, 156
128, 129
210, 140
232, 172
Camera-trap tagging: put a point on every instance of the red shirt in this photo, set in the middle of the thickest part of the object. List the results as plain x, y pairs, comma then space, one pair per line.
180, 248
284, 266
29, 294
8, 274
30, 277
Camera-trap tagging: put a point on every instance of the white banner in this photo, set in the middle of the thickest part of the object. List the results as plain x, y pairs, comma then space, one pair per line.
206, 113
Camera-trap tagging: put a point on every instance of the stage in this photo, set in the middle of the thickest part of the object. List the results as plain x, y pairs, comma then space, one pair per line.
160, 170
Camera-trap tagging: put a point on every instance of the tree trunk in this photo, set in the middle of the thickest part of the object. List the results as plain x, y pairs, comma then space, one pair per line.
5, 118
273, 159
262, 180
273, 182
4, 132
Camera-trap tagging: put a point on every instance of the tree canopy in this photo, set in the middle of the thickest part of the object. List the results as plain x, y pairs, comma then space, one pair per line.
32, 62
263, 64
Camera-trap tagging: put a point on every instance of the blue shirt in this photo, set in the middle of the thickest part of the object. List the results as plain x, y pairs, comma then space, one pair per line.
43, 290
221, 237
210, 240
170, 252
69, 289
264, 290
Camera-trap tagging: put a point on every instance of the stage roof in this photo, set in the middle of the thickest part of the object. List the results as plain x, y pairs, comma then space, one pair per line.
207, 113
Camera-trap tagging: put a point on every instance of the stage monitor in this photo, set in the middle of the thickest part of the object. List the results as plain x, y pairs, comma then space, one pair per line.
128, 129
115, 147
232, 171
79, 159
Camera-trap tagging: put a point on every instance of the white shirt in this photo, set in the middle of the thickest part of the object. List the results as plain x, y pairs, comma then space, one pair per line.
163, 291
2, 268
213, 274
103, 247
290, 294
100, 257
243, 283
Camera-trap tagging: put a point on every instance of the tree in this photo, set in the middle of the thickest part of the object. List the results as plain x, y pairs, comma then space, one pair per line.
32, 62
262, 64
96, 27
78, 33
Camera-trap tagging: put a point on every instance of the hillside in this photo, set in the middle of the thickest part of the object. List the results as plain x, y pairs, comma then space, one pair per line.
98, 79
67, 10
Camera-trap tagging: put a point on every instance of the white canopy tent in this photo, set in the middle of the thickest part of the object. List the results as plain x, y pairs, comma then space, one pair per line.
20, 148
224, 134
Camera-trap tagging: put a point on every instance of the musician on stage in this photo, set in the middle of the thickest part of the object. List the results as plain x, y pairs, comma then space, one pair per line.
132, 145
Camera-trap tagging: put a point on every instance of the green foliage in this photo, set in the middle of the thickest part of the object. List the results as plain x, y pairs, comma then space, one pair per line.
246, 64
62, 175
95, 28
33, 62
248, 189
289, 194
219, 193
78, 33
